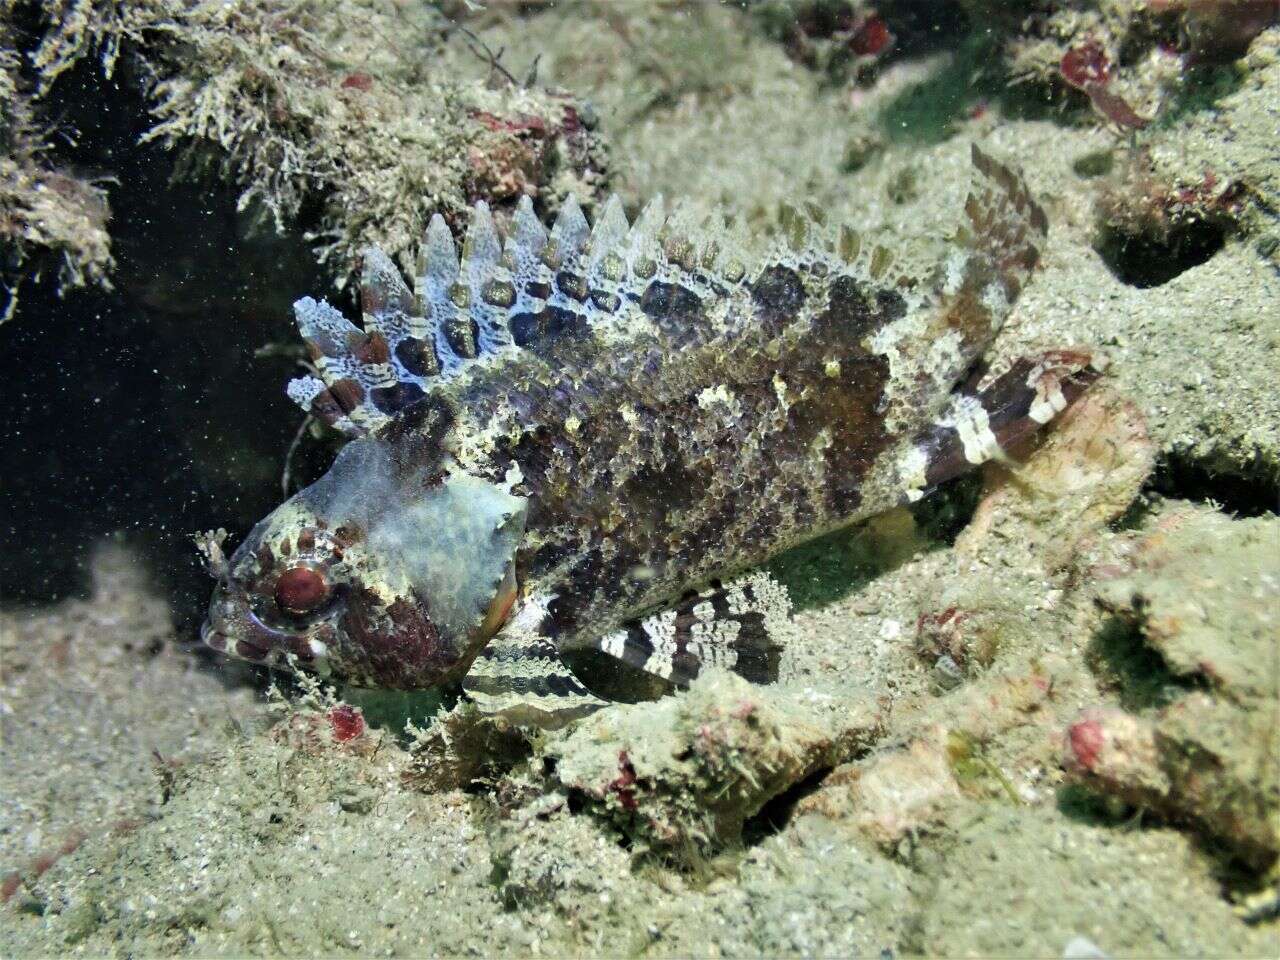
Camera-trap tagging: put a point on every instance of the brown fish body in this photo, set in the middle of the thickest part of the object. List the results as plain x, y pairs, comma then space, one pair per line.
632, 413
660, 466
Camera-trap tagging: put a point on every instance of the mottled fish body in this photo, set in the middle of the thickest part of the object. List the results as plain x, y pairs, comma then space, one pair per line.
575, 438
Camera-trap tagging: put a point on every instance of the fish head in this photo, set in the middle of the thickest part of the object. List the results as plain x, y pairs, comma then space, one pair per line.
380, 574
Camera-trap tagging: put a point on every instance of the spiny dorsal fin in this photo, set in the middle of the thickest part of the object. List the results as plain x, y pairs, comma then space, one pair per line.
535, 287
570, 231
527, 231
610, 230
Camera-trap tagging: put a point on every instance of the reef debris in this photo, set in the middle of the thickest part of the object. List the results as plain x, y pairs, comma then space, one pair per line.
685, 772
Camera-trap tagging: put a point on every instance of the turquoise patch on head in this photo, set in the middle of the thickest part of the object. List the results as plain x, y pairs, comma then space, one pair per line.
454, 544
451, 542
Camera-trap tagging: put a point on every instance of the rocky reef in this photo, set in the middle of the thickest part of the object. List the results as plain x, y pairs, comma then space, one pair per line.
1033, 715
298, 110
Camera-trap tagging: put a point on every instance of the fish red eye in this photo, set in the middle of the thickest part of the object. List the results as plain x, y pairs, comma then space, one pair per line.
301, 590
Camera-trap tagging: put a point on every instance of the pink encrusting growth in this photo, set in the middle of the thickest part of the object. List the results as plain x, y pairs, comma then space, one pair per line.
346, 722
1085, 65
1087, 68
357, 81
623, 786
1086, 740
871, 37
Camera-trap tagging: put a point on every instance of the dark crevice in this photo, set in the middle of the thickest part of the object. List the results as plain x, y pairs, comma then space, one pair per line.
1147, 261
834, 566
943, 514
146, 411
1119, 656
776, 814
1251, 491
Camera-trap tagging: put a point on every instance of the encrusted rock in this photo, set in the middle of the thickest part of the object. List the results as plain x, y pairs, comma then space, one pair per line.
1204, 594
688, 770
301, 112
891, 795
1085, 475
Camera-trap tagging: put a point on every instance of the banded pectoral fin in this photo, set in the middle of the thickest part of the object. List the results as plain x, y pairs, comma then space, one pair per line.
996, 421
520, 677
735, 626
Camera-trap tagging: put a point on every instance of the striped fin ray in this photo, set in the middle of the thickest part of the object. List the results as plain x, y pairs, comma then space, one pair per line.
520, 677
610, 231
735, 626
481, 324
997, 245
606, 270
504, 291
996, 420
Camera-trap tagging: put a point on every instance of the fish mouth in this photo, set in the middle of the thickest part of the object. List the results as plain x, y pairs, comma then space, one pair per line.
233, 628
213, 637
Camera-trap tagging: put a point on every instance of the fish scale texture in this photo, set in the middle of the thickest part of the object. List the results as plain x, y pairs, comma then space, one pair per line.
623, 417
698, 406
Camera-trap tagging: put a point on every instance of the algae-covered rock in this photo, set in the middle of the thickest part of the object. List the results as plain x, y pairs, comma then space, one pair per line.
692, 105
333, 112
460, 746
1223, 162
99, 703
1088, 472
292, 842
51, 219
808, 892
546, 857
686, 771
1204, 595
1205, 171
891, 795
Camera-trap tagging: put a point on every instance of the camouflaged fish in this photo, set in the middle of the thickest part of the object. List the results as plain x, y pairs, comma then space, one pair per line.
578, 439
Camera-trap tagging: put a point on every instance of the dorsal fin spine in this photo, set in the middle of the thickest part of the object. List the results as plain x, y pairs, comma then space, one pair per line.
570, 230
539, 282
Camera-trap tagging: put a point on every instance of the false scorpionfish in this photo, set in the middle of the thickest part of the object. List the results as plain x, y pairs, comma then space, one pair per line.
579, 439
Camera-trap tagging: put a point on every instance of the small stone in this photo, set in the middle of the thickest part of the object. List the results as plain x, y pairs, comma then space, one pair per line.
947, 674
356, 799
1082, 948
